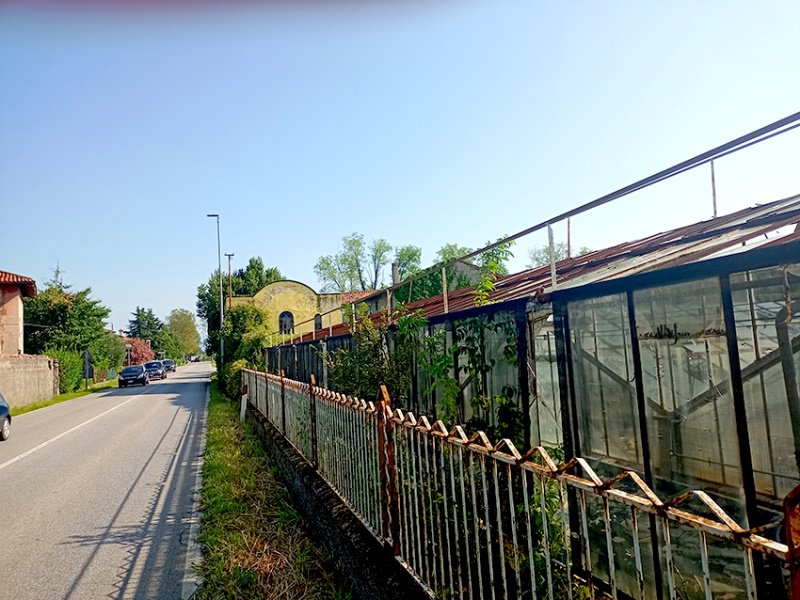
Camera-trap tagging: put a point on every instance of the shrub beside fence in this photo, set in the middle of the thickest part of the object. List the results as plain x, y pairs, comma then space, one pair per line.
473, 519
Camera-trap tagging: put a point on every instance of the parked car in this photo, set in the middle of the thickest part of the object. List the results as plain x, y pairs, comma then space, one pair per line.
133, 374
5, 414
155, 369
169, 364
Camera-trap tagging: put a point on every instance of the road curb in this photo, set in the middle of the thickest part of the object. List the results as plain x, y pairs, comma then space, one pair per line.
194, 555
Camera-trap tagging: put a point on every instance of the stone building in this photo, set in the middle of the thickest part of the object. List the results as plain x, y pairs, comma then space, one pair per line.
12, 289
295, 308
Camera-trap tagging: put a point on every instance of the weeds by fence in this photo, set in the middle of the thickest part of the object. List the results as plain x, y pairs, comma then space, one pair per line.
473, 519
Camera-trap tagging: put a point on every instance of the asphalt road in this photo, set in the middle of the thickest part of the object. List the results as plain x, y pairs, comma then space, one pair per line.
96, 494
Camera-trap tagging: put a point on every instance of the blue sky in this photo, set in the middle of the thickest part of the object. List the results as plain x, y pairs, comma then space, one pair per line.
420, 122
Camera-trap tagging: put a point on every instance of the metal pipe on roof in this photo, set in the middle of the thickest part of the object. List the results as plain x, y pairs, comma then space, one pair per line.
552, 256
444, 289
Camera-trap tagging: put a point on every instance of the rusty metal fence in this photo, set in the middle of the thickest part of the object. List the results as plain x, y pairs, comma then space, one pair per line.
472, 519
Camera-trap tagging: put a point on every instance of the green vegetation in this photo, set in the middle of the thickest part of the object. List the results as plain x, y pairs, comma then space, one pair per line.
61, 318
146, 326
255, 546
181, 323
540, 255
98, 387
245, 282
358, 267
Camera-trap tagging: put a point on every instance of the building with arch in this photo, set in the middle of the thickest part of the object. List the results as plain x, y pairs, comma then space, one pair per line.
295, 308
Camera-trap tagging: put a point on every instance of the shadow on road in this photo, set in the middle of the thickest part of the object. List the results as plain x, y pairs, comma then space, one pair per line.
156, 548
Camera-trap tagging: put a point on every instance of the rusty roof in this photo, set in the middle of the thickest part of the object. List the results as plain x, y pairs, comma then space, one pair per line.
27, 284
347, 297
736, 232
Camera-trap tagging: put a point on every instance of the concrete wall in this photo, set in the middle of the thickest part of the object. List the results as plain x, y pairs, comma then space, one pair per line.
27, 378
11, 319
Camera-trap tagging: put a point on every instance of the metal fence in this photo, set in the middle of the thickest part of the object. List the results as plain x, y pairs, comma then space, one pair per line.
473, 519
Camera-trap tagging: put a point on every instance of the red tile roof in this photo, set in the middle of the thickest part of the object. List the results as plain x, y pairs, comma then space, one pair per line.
27, 284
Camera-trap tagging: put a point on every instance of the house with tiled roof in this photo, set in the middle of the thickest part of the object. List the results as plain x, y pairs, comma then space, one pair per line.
13, 288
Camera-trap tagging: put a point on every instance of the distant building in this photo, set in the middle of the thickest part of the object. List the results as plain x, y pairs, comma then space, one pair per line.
295, 308
13, 288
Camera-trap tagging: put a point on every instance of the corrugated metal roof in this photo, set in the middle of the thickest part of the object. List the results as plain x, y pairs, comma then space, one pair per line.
736, 232
27, 284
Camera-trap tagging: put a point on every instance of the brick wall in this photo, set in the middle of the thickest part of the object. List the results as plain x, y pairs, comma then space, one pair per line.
27, 378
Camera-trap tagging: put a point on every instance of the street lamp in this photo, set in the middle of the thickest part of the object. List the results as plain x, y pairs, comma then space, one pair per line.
221, 308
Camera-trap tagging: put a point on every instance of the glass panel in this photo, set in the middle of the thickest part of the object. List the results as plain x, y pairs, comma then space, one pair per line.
608, 430
769, 354
686, 378
545, 401
605, 394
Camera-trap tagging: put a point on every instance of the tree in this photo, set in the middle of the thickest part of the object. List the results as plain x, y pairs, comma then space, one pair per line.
244, 332
253, 277
145, 325
408, 259
450, 252
108, 351
61, 318
245, 281
141, 352
355, 266
180, 323
431, 284
540, 255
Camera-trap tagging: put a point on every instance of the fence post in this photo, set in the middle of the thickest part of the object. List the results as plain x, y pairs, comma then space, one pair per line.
390, 507
313, 413
283, 403
245, 390
791, 513
266, 393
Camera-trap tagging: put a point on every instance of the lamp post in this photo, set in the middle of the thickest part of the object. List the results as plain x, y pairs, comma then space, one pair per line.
221, 307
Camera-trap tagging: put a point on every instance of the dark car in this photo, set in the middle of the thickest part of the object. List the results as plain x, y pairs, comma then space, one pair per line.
133, 374
155, 369
169, 364
5, 414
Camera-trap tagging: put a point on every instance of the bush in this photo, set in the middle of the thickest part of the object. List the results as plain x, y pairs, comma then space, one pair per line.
70, 369
232, 378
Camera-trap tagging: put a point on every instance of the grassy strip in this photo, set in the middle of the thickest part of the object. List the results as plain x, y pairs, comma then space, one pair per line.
99, 387
255, 546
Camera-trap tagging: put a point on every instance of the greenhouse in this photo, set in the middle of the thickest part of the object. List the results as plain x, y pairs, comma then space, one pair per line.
674, 357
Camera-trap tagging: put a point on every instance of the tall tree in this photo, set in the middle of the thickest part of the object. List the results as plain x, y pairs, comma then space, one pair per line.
356, 266
180, 323
408, 259
245, 281
450, 252
61, 318
145, 324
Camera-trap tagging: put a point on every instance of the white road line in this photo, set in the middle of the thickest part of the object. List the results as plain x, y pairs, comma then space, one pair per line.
60, 435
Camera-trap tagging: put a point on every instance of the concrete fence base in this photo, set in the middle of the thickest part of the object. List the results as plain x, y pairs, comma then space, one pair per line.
26, 378
371, 569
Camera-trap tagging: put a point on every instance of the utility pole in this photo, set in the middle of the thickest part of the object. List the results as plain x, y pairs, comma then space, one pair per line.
230, 280
221, 303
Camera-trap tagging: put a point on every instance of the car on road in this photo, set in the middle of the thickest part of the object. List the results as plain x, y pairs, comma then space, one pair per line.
5, 414
169, 364
133, 374
155, 369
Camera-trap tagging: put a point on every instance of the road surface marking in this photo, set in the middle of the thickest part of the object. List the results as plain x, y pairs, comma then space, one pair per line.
60, 435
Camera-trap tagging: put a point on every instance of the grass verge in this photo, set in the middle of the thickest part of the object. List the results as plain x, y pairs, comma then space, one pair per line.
255, 545
98, 387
